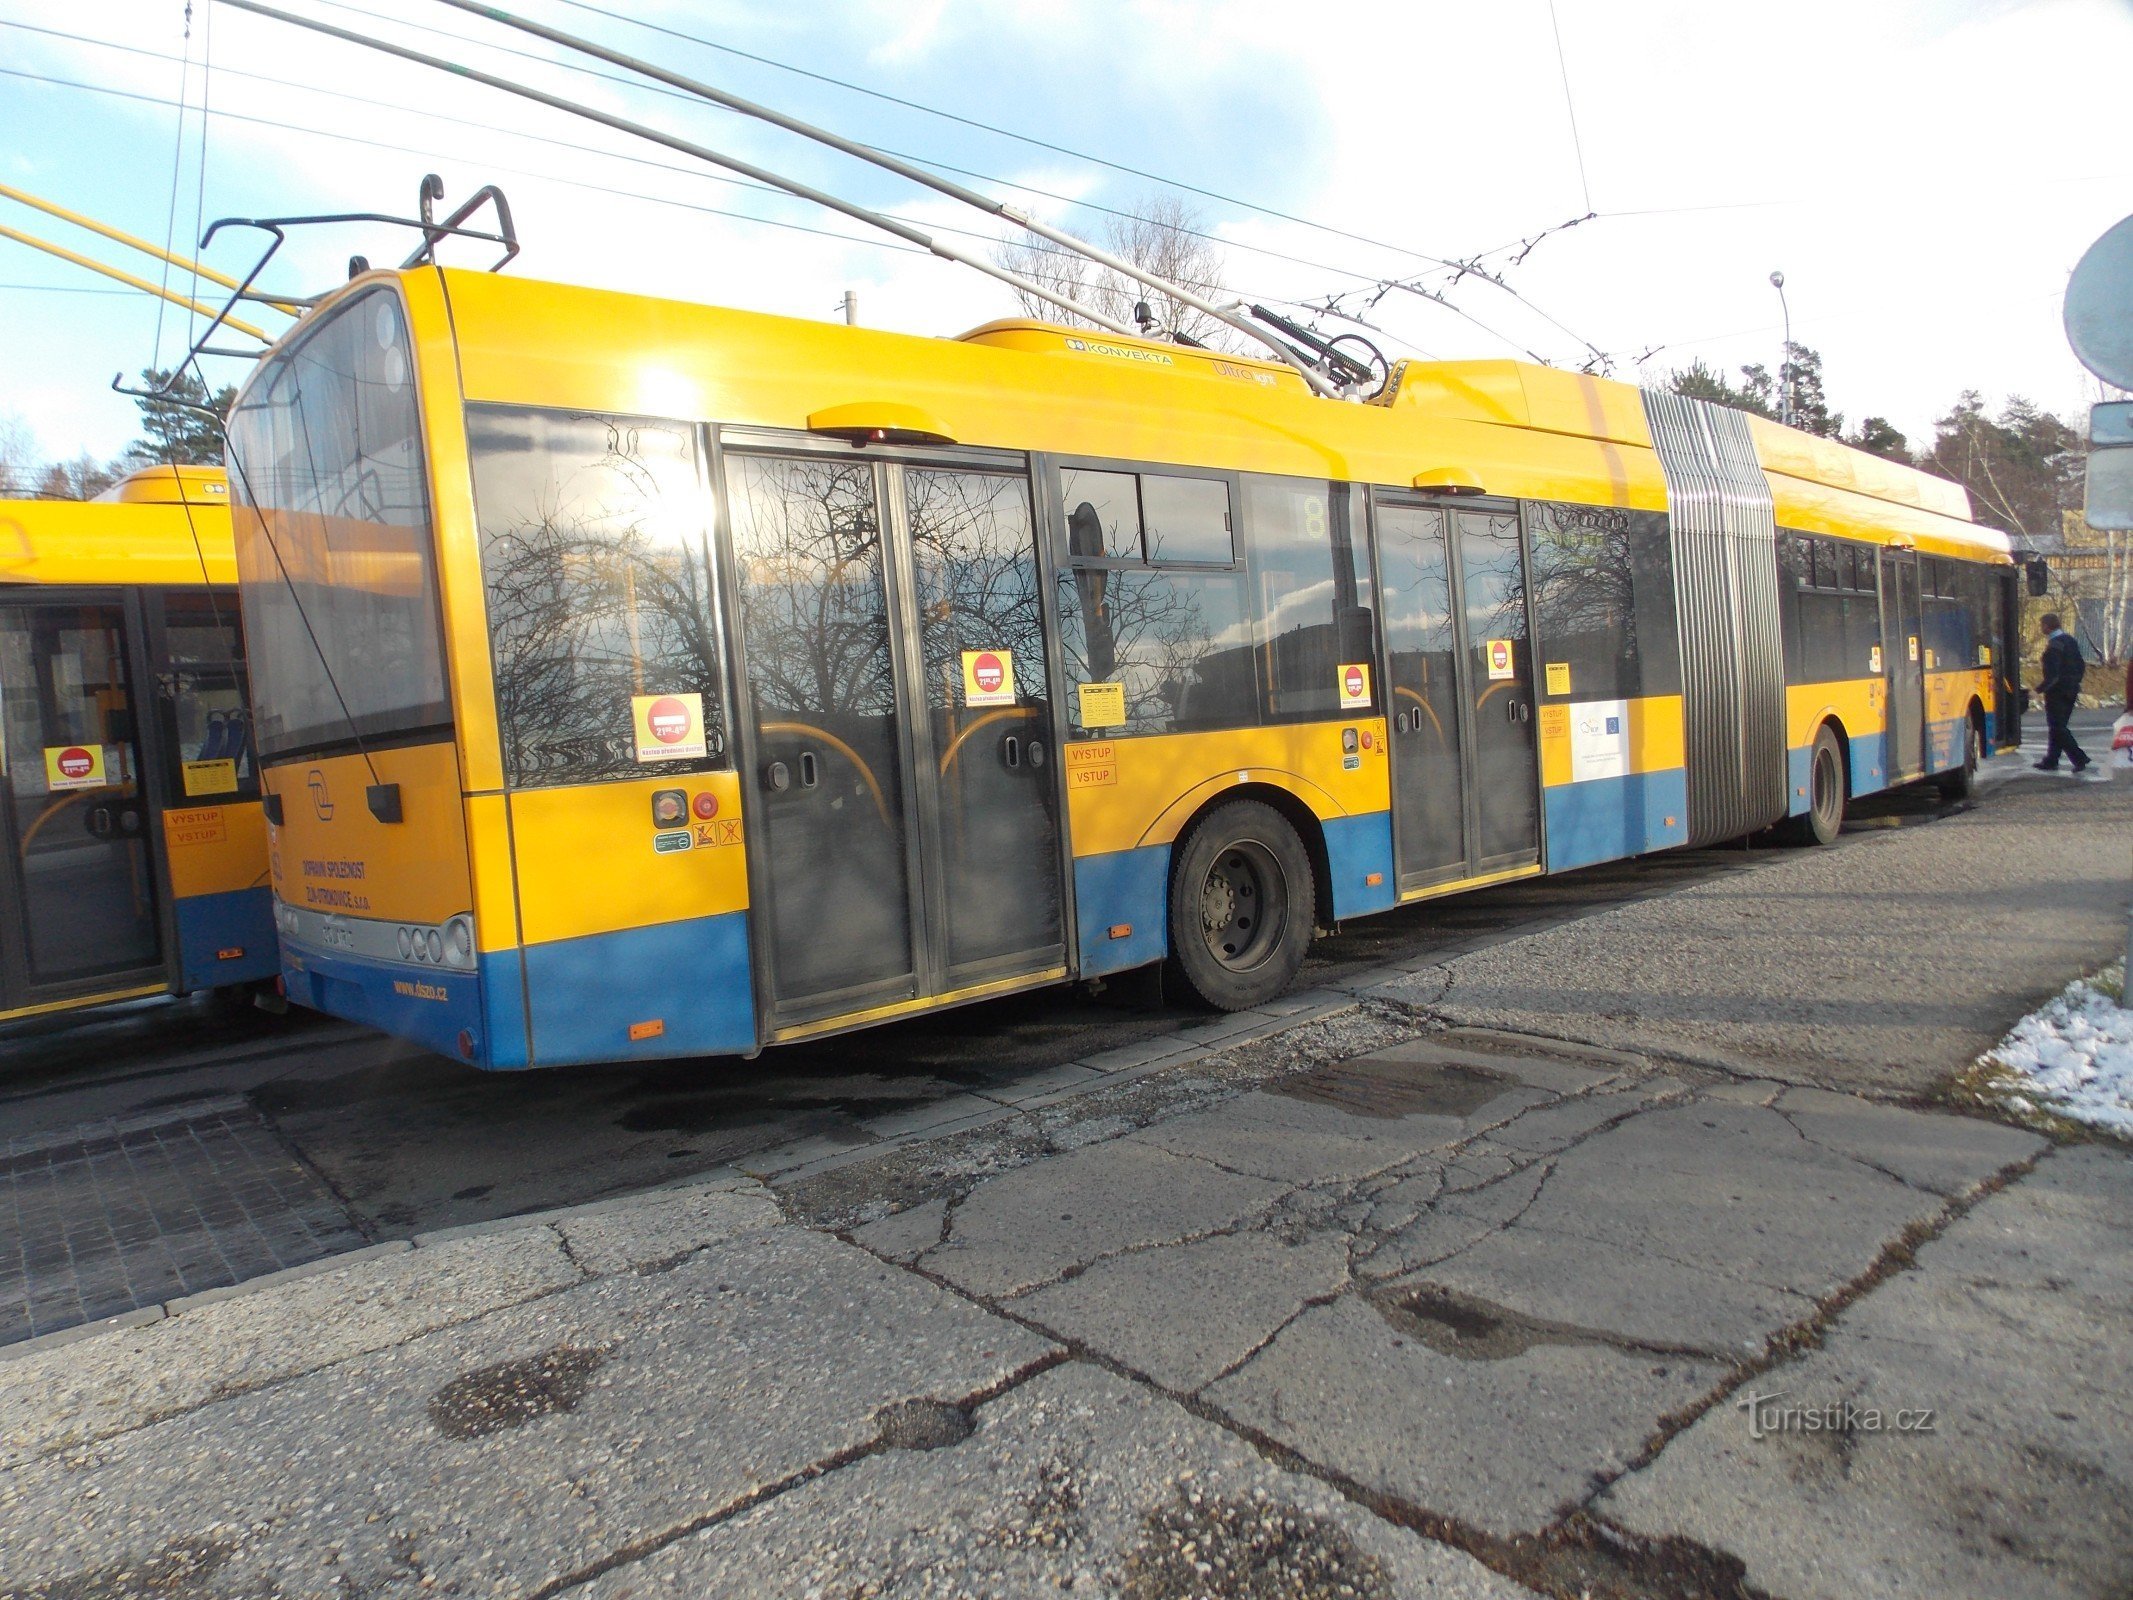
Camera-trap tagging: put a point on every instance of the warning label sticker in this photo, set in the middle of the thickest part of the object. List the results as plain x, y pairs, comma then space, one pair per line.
210, 777
1499, 657
669, 727
1101, 705
74, 766
1354, 685
988, 677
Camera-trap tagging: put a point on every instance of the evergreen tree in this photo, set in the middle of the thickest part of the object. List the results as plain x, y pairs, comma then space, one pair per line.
174, 431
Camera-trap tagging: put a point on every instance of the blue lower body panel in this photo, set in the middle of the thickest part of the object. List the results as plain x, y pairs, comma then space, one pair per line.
1605, 819
430, 1006
209, 924
682, 988
1127, 889
1358, 848
1870, 762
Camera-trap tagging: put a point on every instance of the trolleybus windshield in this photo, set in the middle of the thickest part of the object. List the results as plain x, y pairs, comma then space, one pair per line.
332, 523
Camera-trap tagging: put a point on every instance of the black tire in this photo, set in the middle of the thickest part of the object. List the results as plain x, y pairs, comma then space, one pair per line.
1824, 819
1243, 903
1958, 784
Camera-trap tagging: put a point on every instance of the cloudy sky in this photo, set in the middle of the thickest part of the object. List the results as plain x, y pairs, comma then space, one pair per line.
1924, 174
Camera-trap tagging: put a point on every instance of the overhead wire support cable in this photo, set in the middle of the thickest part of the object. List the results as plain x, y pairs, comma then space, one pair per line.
901, 230
904, 169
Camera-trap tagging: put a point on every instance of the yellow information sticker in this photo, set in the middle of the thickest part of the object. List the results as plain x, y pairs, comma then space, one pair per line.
1500, 660
1092, 766
988, 677
1984, 655
1558, 677
74, 766
210, 777
669, 727
1873, 659
1101, 705
1354, 679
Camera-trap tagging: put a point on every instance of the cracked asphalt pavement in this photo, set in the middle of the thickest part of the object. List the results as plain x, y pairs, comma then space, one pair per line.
1406, 1287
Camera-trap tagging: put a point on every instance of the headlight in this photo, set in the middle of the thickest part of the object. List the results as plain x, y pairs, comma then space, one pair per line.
459, 941
407, 944
433, 944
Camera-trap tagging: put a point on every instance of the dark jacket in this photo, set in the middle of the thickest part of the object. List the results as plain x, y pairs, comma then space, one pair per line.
2063, 666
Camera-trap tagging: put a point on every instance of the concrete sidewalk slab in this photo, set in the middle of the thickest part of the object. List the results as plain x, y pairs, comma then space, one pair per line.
1884, 966
527, 1446
1503, 1445
1076, 1482
2012, 1327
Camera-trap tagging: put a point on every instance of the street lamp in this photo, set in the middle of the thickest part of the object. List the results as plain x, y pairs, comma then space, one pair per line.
1777, 282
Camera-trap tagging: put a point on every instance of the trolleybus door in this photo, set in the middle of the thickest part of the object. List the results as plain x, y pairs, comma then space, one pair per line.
1465, 781
1426, 699
1505, 793
1902, 656
893, 675
77, 873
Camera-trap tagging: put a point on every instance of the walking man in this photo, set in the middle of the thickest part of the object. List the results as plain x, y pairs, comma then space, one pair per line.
2061, 687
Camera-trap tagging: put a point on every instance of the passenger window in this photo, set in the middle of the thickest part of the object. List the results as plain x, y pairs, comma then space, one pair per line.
1311, 601
1103, 515
1186, 520
207, 726
594, 556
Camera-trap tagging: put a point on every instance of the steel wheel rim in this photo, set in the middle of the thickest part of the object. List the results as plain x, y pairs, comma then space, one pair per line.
1244, 905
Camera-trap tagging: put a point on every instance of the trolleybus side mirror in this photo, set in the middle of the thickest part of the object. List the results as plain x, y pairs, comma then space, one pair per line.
2039, 575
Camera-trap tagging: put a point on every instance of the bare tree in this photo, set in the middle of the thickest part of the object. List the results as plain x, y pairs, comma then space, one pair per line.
21, 462
1166, 238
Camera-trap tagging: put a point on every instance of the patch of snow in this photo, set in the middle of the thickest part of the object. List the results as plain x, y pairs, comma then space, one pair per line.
2074, 1056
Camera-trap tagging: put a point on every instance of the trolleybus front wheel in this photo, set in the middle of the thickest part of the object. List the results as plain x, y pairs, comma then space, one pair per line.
1825, 793
1242, 906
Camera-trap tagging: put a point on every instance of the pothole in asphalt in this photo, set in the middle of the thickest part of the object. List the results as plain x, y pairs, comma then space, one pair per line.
511, 1394
1368, 1087
923, 1424
1458, 1325
1206, 1548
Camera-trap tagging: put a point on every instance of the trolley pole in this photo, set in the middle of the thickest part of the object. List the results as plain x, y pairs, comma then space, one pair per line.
851, 308
1777, 282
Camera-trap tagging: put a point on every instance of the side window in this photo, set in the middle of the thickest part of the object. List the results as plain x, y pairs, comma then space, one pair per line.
1310, 597
1154, 614
207, 723
595, 559
1603, 602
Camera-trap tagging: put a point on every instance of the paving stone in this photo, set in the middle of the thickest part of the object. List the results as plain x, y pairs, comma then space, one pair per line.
517, 1450
1185, 1313
1027, 1226
2011, 1326
1075, 1481
108, 1219
1501, 1444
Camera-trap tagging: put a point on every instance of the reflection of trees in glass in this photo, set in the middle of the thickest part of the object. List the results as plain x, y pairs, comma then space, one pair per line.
593, 556
975, 551
1154, 631
808, 541
1582, 584
1495, 580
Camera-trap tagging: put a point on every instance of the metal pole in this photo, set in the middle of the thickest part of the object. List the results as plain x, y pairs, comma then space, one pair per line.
1777, 282
851, 308
129, 280
142, 245
764, 175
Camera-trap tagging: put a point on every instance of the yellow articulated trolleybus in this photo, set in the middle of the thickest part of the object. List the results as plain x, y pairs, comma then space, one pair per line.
136, 857
643, 679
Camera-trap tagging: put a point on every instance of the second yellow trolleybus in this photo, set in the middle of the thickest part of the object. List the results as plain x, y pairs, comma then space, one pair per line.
642, 679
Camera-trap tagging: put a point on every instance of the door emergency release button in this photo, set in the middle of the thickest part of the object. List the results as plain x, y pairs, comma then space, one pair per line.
670, 808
